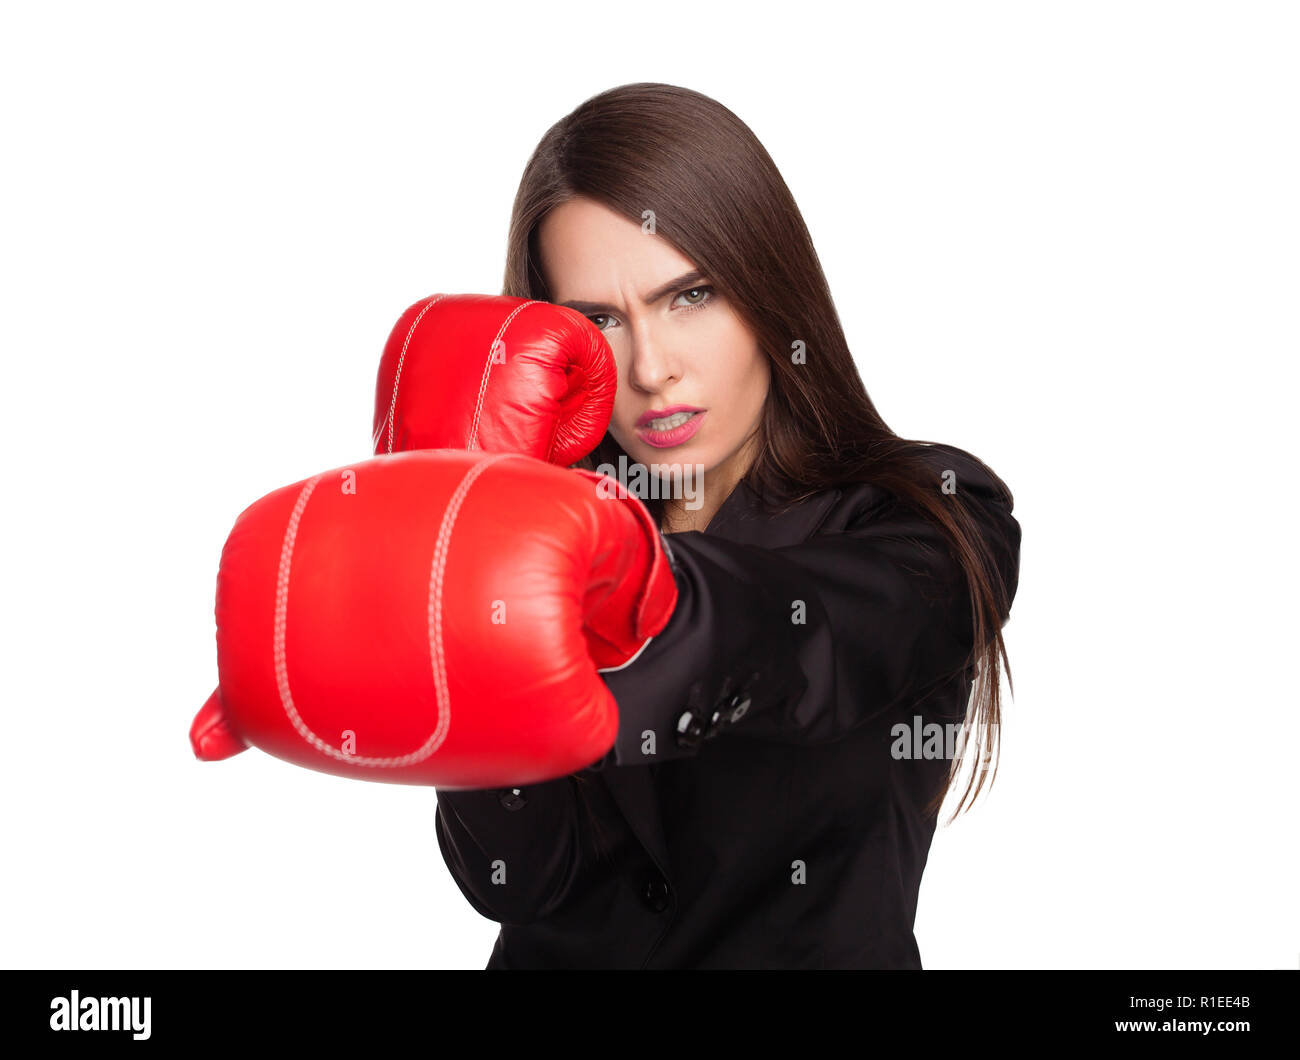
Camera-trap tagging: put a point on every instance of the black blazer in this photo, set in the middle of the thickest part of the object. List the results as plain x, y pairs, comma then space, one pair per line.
757, 809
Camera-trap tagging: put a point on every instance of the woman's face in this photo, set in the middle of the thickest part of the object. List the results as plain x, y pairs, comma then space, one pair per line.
691, 378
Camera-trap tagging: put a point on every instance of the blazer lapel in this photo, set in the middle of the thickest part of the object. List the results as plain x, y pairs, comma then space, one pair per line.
632, 788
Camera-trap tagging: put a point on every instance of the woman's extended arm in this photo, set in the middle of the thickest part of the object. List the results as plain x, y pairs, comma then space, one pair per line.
804, 642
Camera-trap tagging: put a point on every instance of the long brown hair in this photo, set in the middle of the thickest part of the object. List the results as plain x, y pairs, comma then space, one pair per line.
718, 198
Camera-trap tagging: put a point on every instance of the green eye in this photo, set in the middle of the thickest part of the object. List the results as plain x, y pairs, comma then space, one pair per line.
697, 297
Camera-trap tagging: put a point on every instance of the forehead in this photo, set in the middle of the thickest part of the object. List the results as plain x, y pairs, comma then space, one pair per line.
590, 252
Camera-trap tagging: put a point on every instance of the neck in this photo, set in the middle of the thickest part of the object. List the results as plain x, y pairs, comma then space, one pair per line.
714, 488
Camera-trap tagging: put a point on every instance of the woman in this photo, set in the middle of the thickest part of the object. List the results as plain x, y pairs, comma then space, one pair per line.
772, 794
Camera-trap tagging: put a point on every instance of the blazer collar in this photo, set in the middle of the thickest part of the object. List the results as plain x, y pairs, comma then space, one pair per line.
747, 519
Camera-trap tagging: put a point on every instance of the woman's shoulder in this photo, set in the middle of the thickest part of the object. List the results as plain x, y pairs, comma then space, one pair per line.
949, 470
960, 467
872, 512
749, 516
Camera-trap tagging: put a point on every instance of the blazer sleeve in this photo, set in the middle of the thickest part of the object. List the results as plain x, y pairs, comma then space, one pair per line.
804, 642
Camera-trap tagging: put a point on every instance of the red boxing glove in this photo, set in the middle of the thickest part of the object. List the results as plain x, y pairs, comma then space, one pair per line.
507, 375
397, 621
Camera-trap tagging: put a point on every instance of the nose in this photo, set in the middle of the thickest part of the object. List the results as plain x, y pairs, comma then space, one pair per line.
653, 366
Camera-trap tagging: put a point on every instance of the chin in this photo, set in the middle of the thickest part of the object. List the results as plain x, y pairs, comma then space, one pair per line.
683, 454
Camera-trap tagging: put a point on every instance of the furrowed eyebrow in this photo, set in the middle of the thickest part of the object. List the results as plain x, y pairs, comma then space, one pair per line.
687, 279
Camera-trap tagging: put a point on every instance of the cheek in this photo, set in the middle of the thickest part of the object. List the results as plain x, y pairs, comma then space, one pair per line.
625, 402
742, 377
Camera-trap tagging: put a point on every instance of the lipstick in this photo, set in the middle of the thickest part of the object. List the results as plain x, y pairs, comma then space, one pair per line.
666, 428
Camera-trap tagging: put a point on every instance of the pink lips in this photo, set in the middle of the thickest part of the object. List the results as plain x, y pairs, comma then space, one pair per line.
678, 435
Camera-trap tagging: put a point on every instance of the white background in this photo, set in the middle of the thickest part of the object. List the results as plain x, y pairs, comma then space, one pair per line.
1061, 236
